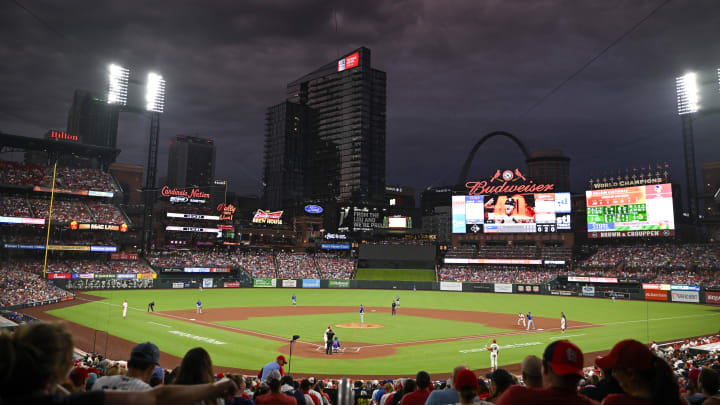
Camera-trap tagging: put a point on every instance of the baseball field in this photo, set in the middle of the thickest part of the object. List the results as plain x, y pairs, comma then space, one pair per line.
433, 330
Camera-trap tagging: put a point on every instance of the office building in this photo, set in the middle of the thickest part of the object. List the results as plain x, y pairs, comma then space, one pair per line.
288, 141
346, 99
191, 161
549, 167
93, 120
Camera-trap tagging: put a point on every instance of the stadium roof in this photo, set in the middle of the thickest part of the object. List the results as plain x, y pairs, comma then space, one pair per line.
52, 145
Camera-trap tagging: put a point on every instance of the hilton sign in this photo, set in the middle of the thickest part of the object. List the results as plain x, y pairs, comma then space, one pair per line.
62, 136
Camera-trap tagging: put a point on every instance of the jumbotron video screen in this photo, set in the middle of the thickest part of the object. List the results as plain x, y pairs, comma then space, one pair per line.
516, 213
638, 208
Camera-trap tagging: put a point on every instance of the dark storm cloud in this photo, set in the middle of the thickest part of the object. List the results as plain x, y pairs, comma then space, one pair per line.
456, 70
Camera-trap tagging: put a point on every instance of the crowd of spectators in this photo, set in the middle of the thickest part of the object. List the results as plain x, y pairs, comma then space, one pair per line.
631, 373
333, 267
664, 257
105, 213
20, 284
295, 265
63, 210
497, 274
28, 174
194, 258
260, 264
14, 207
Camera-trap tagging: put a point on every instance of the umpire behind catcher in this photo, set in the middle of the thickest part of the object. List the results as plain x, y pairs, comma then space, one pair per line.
329, 341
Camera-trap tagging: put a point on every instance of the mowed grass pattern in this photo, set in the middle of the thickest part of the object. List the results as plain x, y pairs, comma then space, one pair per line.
395, 274
640, 320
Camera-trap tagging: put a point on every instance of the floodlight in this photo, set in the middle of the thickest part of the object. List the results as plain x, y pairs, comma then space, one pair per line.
118, 78
155, 95
718, 76
687, 94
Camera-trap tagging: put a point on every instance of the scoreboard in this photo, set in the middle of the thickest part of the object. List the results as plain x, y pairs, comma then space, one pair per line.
640, 208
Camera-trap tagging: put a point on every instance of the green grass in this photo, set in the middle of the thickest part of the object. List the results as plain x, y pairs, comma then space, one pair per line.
395, 274
640, 320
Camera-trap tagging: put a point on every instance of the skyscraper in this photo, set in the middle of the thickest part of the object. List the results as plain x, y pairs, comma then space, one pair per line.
191, 161
288, 139
93, 120
346, 99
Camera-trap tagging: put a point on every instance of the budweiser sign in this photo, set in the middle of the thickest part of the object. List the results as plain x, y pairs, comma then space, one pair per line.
267, 217
173, 192
506, 182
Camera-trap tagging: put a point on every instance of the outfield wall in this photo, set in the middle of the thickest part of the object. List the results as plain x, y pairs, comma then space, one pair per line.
632, 291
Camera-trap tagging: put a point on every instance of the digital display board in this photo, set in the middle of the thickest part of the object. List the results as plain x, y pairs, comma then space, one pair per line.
397, 222
193, 216
515, 213
616, 211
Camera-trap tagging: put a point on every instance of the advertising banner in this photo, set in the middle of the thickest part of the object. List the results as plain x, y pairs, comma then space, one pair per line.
123, 256
207, 283
453, 260
143, 275
339, 284
503, 288
59, 275
20, 220
108, 284
685, 296
562, 293
588, 291
232, 284
126, 276
178, 285
289, 283
335, 246
650, 286
264, 282
104, 276
593, 279
681, 287
308, 283
103, 248
712, 298
656, 295
191, 229
193, 216
450, 286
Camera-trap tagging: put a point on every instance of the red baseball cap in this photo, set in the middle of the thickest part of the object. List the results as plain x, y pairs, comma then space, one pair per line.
466, 378
281, 358
627, 353
564, 358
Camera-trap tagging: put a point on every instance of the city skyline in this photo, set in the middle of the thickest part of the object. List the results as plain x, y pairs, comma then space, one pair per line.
454, 75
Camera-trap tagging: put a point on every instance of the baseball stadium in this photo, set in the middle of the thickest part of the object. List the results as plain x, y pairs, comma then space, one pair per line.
348, 287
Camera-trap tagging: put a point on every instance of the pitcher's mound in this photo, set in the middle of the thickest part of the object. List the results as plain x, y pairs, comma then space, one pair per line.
358, 325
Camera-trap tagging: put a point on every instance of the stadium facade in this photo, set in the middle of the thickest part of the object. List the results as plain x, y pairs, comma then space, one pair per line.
191, 161
93, 120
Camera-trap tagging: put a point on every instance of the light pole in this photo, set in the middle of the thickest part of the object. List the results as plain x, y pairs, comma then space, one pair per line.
118, 80
688, 106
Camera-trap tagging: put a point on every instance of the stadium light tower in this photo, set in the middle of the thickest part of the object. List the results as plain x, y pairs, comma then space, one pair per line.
155, 105
118, 78
688, 101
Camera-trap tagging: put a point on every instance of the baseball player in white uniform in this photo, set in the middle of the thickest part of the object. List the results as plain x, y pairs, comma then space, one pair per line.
124, 308
521, 319
494, 349
563, 322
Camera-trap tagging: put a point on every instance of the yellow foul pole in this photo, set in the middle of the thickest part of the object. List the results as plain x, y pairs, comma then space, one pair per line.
47, 238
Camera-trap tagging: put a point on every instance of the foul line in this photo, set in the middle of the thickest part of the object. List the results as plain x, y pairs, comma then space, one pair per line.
160, 324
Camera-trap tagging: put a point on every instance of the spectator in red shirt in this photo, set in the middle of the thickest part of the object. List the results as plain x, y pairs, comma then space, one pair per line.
562, 369
422, 380
274, 396
644, 377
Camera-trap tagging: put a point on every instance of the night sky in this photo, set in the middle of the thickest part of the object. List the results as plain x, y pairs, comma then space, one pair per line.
456, 70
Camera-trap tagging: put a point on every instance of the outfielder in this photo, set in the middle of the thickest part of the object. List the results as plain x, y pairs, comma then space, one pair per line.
124, 308
494, 349
563, 322
521, 319
530, 321
198, 307
294, 300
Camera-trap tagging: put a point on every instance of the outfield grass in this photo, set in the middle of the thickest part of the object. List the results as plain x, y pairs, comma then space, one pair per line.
395, 274
640, 320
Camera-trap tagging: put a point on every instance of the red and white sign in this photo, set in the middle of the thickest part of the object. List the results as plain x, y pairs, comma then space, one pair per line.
123, 256
231, 284
59, 275
593, 279
654, 295
712, 298
349, 62
685, 296
651, 286
492, 261
267, 217
194, 193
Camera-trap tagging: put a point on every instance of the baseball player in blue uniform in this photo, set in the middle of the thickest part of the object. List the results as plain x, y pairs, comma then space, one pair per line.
294, 300
530, 321
362, 314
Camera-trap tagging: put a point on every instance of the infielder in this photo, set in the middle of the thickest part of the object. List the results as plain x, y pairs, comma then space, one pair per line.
521, 320
362, 314
397, 300
494, 349
198, 307
151, 306
563, 322
124, 308
612, 295
530, 321
294, 300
